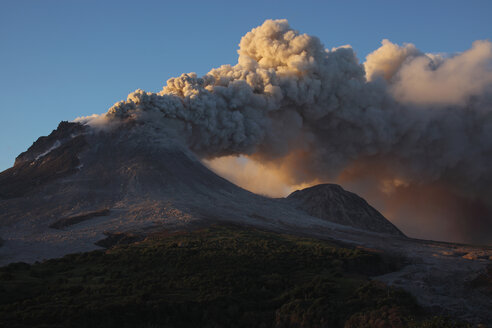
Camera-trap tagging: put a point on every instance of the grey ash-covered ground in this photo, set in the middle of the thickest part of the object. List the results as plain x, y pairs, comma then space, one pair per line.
78, 186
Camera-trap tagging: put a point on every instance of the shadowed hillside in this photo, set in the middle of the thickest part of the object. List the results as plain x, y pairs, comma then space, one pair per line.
332, 202
215, 277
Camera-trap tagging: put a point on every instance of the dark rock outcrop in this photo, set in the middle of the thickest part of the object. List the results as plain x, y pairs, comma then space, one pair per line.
48, 159
331, 202
64, 132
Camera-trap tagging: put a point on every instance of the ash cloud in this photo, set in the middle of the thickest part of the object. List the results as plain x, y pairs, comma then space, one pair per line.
404, 118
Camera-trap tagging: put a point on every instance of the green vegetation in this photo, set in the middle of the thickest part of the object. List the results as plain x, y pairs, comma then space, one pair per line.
214, 277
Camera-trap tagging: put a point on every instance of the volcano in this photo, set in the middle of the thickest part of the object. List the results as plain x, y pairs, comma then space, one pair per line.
74, 186
74, 189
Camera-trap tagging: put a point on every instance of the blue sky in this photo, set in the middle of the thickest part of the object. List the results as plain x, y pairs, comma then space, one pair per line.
63, 59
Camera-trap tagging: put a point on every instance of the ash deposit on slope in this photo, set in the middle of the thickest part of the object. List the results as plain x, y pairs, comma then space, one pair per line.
64, 199
401, 125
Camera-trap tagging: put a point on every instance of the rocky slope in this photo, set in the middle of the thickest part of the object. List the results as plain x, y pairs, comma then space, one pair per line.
72, 187
331, 202
47, 160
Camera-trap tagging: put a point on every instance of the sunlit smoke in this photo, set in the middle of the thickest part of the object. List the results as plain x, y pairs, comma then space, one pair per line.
429, 80
402, 121
261, 178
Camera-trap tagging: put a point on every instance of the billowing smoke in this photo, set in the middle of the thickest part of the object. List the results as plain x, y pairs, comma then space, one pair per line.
264, 178
402, 123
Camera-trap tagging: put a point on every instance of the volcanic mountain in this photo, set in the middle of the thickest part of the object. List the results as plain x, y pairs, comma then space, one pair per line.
79, 185
72, 186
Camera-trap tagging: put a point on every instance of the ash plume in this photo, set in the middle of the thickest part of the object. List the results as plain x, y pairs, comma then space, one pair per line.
402, 121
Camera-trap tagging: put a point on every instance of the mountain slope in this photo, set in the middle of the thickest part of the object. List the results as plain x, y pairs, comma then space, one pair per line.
48, 159
71, 187
333, 203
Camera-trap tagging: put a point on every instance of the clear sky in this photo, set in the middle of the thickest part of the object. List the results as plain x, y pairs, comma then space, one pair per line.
63, 59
